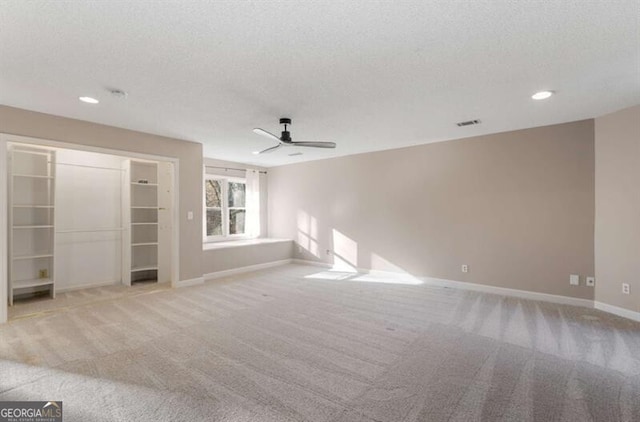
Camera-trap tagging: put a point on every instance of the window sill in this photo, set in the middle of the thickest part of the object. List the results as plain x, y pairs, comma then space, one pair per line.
241, 242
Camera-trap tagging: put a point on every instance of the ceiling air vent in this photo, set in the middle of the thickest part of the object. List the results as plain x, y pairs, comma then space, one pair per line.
295, 154
468, 123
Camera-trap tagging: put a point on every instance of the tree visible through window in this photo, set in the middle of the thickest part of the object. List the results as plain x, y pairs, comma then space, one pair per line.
237, 211
225, 203
213, 192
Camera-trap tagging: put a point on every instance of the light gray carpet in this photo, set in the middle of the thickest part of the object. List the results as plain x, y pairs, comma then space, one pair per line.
288, 344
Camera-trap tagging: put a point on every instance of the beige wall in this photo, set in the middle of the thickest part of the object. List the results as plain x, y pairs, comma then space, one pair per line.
244, 256
617, 228
27, 123
517, 207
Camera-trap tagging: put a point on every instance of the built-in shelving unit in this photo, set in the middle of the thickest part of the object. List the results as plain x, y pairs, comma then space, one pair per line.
143, 186
31, 221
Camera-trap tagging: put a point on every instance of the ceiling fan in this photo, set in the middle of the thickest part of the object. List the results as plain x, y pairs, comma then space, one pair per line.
285, 139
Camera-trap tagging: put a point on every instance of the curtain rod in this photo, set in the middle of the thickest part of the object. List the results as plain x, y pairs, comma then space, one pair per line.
231, 168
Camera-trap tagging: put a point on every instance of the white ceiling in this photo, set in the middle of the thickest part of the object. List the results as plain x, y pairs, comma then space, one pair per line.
369, 75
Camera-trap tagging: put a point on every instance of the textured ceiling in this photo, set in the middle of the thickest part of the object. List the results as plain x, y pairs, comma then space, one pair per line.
368, 75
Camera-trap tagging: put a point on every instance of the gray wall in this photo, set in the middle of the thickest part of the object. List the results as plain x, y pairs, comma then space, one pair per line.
45, 126
617, 234
517, 207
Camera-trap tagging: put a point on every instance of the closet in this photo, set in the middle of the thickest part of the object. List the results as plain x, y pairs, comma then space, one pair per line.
82, 219
143, 220
31, 221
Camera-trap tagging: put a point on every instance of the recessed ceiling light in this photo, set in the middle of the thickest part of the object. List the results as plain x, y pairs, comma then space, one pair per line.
255, 152
88, 100
542, 95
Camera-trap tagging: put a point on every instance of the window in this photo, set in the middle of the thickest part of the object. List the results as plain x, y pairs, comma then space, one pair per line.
225, 207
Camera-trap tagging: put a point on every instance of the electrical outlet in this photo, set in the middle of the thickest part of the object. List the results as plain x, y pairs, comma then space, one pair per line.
591, 281
574, 279
465, 268
625, 288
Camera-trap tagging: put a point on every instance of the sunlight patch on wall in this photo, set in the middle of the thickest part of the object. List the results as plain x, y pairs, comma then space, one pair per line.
378, 263
345, 252
308, 233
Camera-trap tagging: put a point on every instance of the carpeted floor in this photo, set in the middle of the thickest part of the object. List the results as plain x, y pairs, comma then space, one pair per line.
298, 343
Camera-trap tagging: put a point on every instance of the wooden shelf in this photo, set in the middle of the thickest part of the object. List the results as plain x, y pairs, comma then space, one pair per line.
35, 256
23, 284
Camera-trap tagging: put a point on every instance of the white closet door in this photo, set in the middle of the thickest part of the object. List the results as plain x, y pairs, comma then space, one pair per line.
88, 219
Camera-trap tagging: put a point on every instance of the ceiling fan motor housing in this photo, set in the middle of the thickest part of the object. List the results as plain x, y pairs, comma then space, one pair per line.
286, 136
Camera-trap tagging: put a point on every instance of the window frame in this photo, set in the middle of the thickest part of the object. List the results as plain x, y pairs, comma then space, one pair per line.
225, 208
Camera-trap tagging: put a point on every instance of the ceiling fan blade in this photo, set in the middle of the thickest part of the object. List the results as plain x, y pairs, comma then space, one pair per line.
265, 133
264, 151
316, 144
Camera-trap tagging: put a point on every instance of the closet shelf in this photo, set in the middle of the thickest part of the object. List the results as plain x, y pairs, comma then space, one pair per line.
148, 268
23, 284
145, 244
144, 184
107, 229
32, 176
144, 224
31, 206
33, 227
144, 208
44, 153
34, 256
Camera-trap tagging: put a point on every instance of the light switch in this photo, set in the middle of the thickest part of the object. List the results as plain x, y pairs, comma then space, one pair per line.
190, 215
574, 279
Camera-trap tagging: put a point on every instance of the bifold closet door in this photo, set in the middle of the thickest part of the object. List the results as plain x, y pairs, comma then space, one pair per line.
88, 220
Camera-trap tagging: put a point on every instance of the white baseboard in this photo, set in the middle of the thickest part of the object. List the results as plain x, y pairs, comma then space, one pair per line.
505, 291
247, 269
625, 313
189, 282
87, 286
